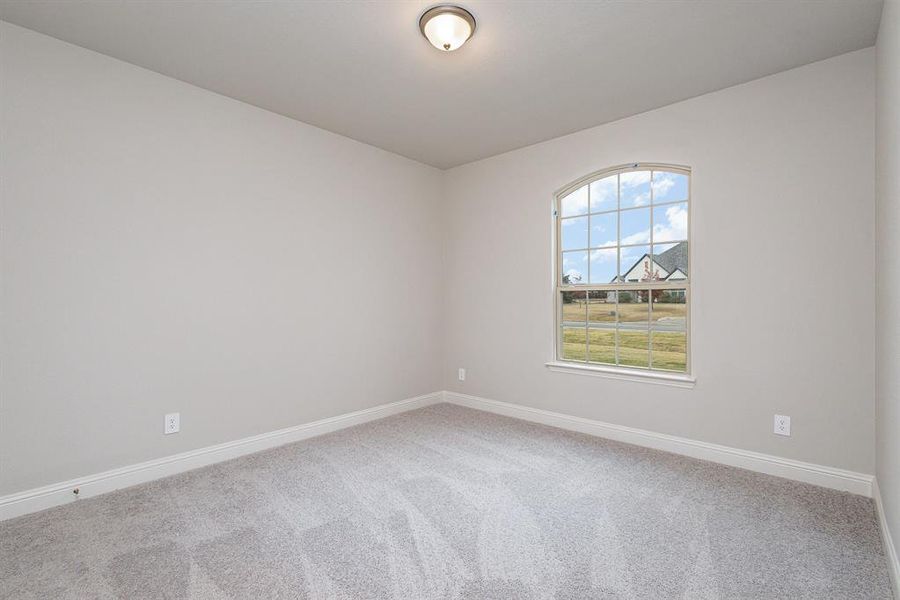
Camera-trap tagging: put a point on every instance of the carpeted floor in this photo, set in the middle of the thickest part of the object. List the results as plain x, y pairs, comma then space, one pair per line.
446, 502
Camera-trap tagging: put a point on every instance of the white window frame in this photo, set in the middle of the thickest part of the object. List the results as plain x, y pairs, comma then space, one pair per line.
659, 376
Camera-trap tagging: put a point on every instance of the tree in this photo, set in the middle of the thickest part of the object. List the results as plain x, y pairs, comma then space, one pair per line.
652, 274
571, 278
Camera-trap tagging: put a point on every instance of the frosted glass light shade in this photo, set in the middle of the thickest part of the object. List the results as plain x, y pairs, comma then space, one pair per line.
447, 27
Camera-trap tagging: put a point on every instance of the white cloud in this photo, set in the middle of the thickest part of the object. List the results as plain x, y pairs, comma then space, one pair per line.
574, 275
631, 184
582, 221
675, 227
662, 184
603, 255
641, 199
634, 178
575, 203
603, 194
641, 237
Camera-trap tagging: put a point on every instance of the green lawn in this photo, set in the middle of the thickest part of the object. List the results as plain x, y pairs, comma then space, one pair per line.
669, 348
603, 312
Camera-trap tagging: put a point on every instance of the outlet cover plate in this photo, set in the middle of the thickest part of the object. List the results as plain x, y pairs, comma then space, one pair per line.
172, 424
782, 425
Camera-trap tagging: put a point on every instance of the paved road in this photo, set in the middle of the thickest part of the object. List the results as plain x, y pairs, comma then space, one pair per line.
662, 325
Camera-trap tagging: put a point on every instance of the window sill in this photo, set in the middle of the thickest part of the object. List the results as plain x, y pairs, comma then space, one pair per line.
670, 379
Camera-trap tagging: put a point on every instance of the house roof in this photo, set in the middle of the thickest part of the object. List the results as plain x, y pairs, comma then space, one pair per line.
673, 259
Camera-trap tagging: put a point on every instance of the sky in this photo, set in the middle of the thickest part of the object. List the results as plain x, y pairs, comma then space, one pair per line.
597, 232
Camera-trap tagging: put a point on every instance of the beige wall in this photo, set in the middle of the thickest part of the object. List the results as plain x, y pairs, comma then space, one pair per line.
168, 249
783, 256
887, 267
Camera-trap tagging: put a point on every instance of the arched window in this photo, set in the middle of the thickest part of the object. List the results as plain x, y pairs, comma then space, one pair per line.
623, 269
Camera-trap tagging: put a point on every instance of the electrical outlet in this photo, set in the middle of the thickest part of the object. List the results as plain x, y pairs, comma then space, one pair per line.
173, 423
782, 425
462, 374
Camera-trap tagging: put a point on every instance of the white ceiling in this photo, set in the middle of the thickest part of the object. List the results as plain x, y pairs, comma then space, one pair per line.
533, 71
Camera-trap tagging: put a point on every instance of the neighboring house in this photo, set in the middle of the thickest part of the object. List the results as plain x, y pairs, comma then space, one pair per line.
671, 265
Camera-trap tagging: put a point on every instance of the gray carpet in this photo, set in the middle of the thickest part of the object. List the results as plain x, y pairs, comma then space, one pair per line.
446, 502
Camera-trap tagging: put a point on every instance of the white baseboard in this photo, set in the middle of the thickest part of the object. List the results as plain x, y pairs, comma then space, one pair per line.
37, 499
839, 479
61, 493
890, 550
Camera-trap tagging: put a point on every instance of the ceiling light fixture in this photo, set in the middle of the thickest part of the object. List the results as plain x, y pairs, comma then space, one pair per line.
447, 27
